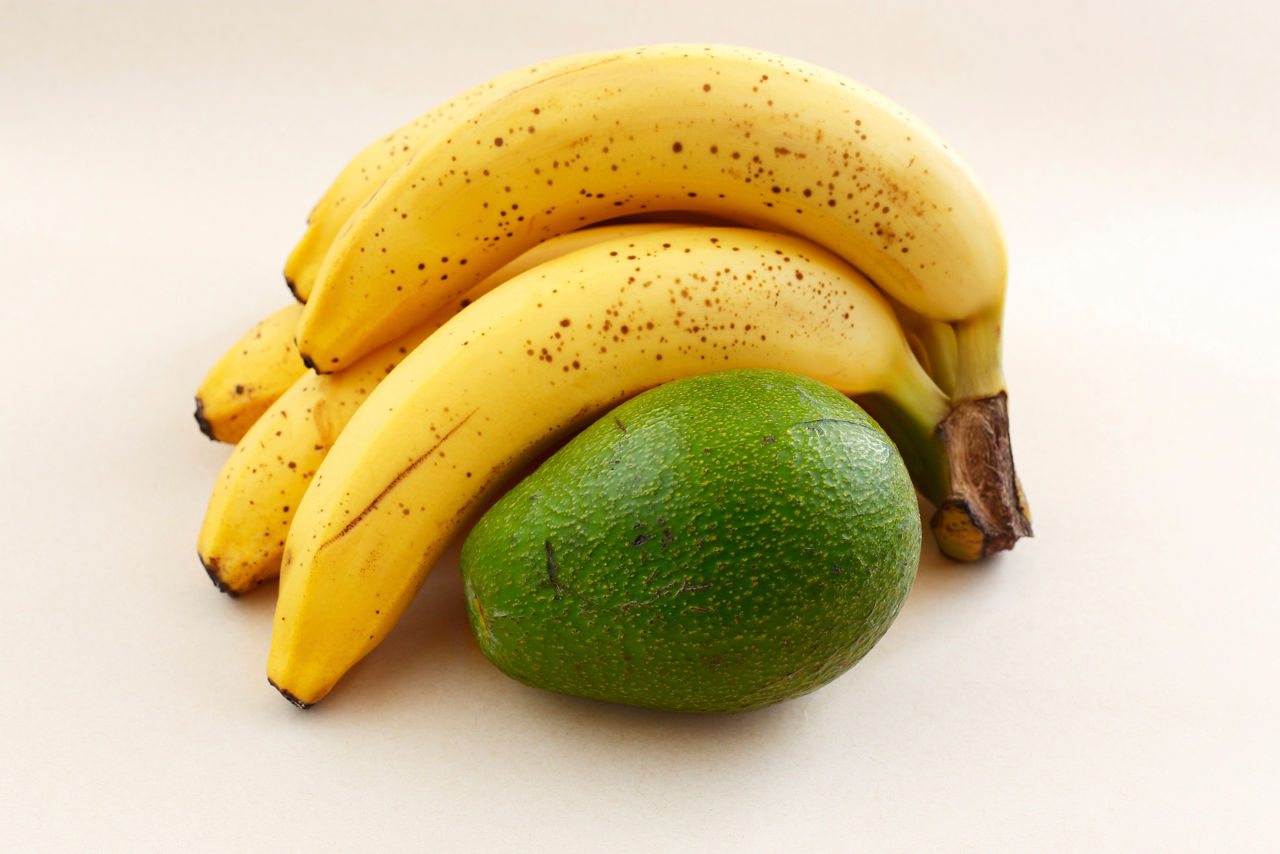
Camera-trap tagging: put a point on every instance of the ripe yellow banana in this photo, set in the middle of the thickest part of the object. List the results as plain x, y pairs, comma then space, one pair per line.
760, 139
262, 482
378, 161
538, 356
260, 485
248, 378
749, 136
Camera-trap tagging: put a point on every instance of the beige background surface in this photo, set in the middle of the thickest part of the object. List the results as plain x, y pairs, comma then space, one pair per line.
1108, 686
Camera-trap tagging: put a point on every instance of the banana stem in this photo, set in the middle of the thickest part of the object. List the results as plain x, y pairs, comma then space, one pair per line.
985, 510
939, 341
910, 413
933, 342
978, 371
960, 458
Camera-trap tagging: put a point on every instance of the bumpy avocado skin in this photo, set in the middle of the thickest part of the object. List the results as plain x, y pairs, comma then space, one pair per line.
717, 544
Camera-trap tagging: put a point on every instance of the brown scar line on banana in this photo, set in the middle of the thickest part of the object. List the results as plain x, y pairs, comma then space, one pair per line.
405, 472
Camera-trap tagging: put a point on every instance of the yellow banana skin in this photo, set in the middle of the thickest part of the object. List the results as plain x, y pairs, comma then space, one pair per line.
259, 488
260, 485
537, 357
380, 159
763, 140
248, 378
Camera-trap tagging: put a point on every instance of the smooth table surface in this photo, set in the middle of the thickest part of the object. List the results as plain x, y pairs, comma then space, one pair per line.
1107, 686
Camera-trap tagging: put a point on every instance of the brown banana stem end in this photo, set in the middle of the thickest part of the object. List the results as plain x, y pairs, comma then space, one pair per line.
985, 510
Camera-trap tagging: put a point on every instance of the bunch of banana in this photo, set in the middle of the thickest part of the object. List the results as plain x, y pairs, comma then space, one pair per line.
463, 315
259, 488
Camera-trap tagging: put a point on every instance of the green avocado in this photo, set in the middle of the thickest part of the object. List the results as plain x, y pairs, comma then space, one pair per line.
716, 544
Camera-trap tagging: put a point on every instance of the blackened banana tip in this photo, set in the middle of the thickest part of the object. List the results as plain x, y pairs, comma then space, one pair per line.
288, 696
211, 567
205, 427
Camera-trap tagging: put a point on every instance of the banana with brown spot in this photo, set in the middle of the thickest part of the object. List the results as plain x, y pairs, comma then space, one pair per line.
367, 171
258, 490
753, 137
758, 138
248, 378
540, 355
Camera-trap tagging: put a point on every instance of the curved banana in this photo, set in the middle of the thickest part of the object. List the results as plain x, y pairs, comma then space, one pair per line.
541, 354
248, 378
763, 140
380, 160
746, 135
262, 482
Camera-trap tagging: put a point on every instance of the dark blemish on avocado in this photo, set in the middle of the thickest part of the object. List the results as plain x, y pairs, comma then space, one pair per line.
830, 421
769, 440
552, 569
618, 421
641, 540
392, 485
